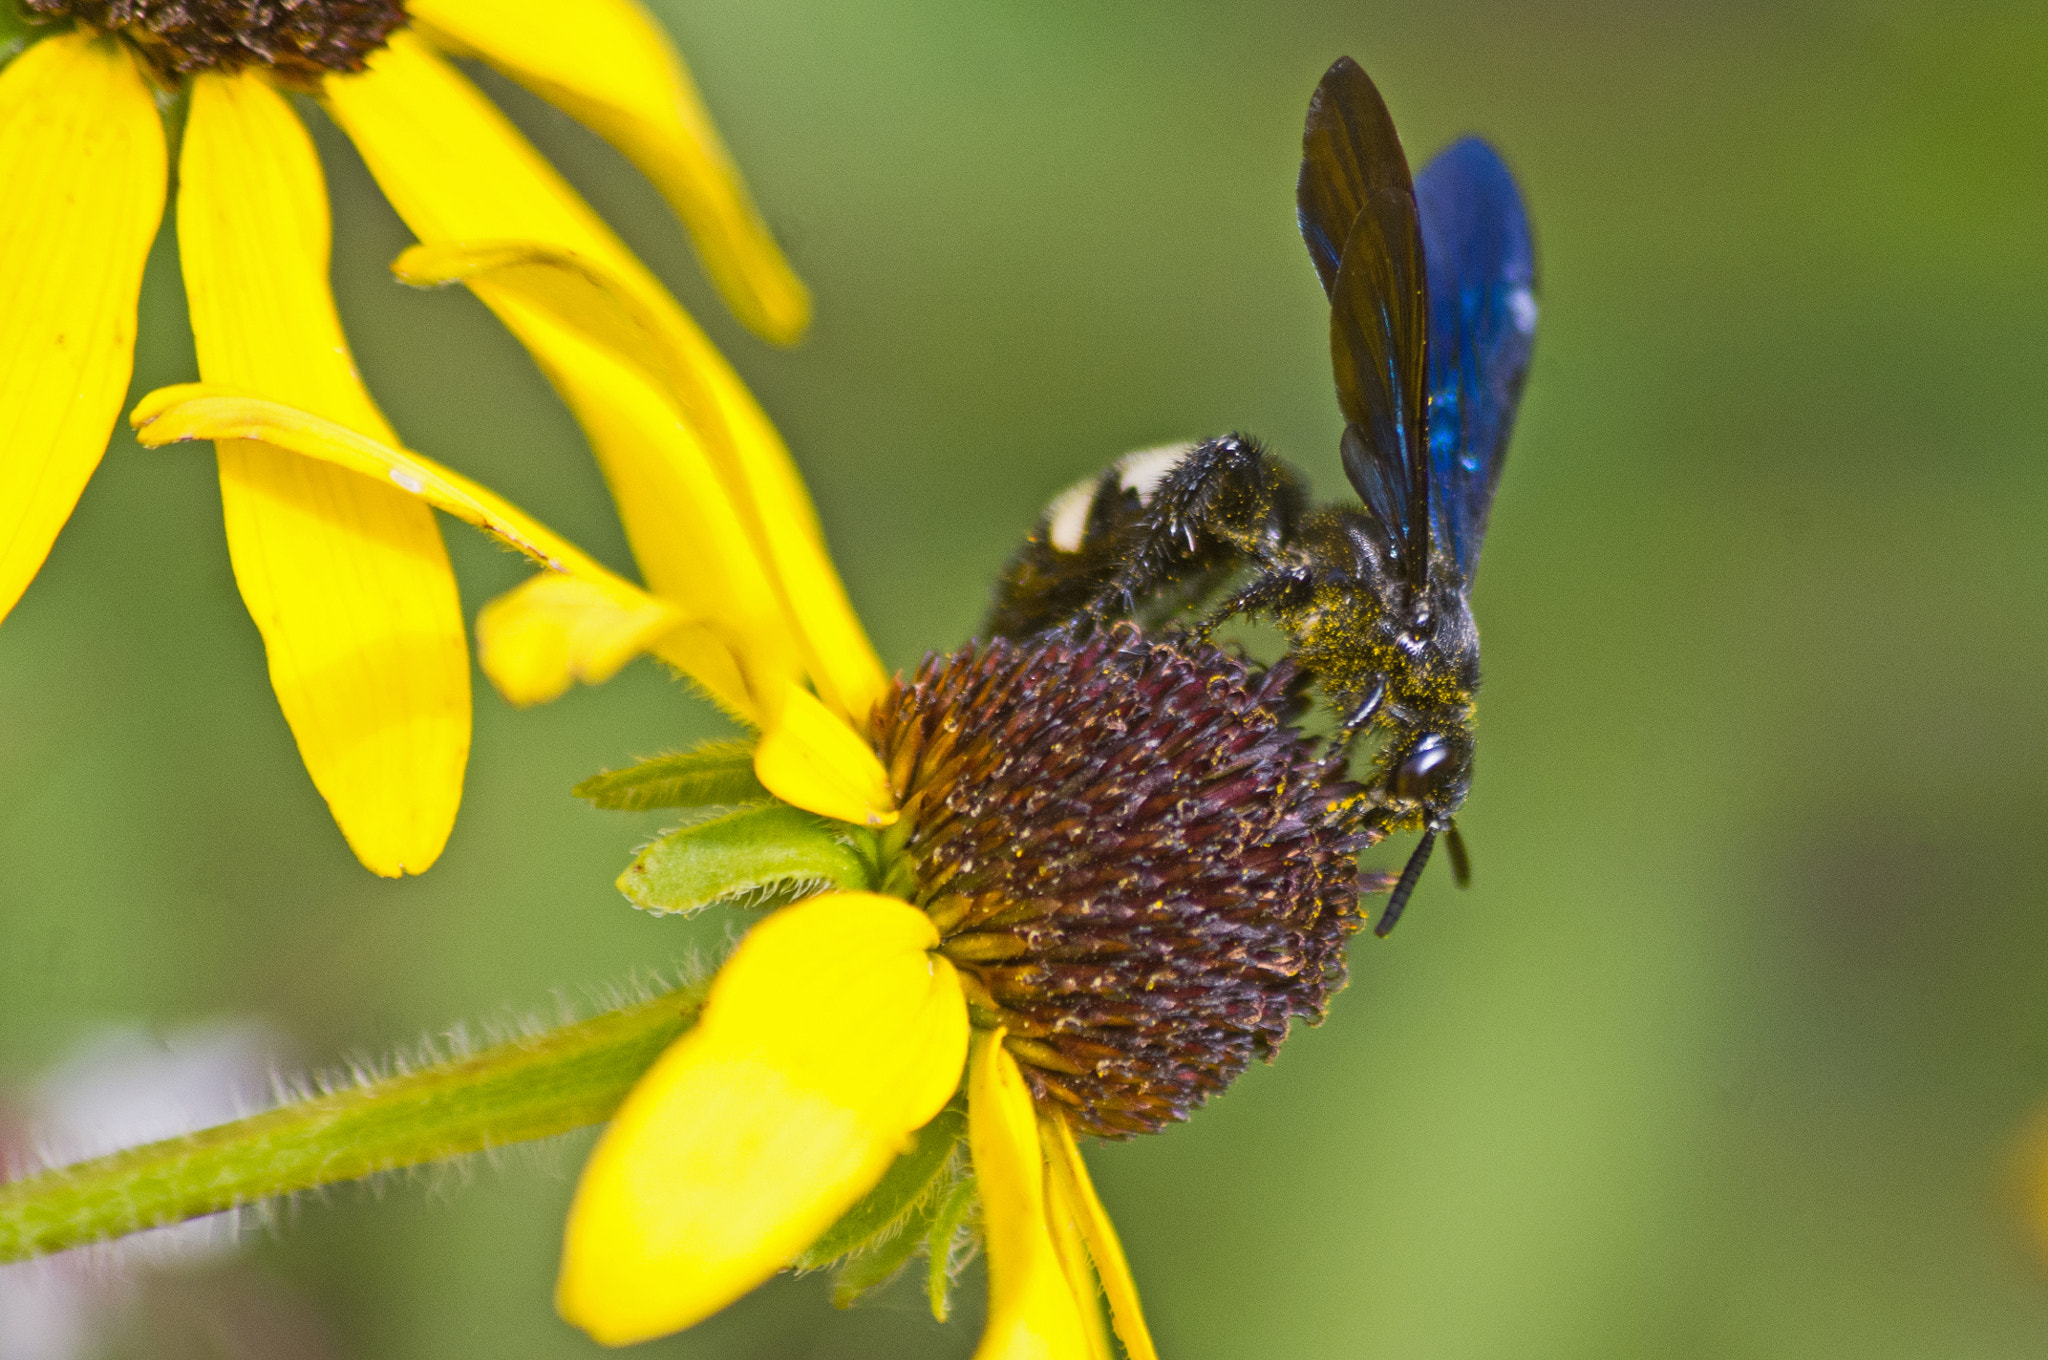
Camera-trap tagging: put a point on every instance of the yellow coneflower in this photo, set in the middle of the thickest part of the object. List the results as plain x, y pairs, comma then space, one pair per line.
346, 578
1109, 874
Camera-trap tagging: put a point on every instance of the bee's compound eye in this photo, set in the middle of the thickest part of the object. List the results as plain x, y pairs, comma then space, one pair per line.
1418, 770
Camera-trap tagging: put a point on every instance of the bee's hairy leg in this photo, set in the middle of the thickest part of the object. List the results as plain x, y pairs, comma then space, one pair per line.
1366, 709
1225, 501
1274, 590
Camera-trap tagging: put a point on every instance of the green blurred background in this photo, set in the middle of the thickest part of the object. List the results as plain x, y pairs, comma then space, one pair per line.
1724, 1053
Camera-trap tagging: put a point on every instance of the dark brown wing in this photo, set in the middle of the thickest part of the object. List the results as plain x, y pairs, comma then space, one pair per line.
1379, 302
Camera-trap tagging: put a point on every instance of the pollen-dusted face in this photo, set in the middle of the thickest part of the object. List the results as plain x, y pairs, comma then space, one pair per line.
1431, 774
1142, 871
303, 37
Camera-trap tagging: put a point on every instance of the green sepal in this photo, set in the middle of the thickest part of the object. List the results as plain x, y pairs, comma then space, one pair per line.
915, 1180
755, 857
949, 1224
859, 1275
716, 773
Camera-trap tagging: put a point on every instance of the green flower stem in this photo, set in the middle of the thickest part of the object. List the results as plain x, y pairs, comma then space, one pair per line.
528, 1088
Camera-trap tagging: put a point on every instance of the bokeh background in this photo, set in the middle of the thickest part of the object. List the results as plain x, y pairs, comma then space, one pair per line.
1726, 1051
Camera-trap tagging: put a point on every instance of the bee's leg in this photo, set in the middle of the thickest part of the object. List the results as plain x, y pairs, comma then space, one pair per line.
1160, 520
1276, 590
1362, 713
1222, 502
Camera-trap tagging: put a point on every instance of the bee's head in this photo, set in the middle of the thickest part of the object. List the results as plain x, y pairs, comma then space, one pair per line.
1428, 775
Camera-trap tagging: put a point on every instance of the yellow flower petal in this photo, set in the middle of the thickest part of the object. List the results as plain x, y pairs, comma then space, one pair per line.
346, 577
220, 411
1032, 1312
456, 170
253, 236
608, 64
748, 455
552, 631
809, 757
1063, 1220
828, 1037
83, 164
706, 657
533, 642
1071, 1183
688, 537
537, 640
459, 173
574, 289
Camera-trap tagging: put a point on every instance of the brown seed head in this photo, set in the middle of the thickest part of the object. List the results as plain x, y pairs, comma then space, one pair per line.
302, 38
1140, 867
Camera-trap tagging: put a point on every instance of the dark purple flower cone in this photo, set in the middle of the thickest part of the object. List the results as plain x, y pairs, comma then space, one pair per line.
306, 38
1142, 869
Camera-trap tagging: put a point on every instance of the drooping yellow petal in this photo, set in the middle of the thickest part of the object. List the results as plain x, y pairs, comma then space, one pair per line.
581, 622
460, 174
552, 631
221, 411
574, 289
809, 757
456, 170
1070, 1179
1064, 1223
548, 633
1032, 1312
345, 576
82, 171
586, 297
827, 1038
609, 65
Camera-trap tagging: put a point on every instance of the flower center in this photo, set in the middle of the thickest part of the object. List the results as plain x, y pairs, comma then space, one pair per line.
301, 37
1138, 864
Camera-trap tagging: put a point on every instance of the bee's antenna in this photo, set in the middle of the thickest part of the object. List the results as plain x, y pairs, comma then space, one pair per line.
1410, 876
1461, 863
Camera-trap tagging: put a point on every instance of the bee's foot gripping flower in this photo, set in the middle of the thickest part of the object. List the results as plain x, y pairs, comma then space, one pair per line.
1141, 868
303, 37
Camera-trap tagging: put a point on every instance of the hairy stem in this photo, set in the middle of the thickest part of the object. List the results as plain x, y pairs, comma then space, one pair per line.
528, 1088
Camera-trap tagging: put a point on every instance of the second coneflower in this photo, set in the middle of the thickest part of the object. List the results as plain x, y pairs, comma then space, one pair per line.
346, 578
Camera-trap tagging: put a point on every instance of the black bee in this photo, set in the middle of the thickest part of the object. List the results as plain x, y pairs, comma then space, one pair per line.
1432, 319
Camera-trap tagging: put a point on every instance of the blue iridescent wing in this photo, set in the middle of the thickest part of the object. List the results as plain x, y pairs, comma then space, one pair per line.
1482, 329
1359, 219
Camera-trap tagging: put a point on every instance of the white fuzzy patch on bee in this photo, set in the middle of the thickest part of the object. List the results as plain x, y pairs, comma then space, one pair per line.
1066, 516
1142, 470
